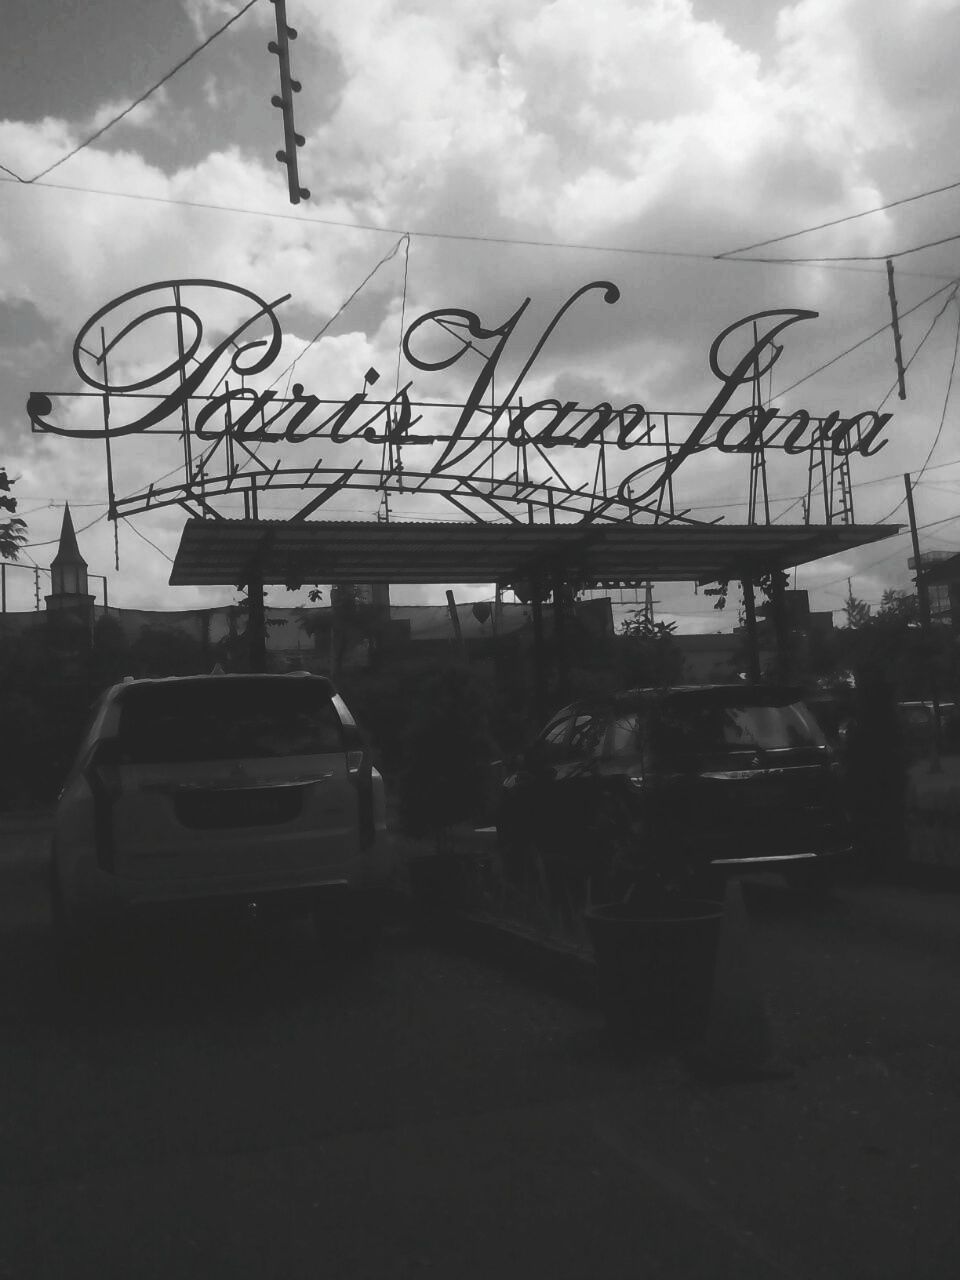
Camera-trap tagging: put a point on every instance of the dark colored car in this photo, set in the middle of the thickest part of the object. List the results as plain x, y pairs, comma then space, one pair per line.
681, 786
833, 713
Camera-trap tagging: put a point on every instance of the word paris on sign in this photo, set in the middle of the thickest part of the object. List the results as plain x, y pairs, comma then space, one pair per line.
145, 357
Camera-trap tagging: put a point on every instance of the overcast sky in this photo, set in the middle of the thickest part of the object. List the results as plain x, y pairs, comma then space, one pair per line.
680, 128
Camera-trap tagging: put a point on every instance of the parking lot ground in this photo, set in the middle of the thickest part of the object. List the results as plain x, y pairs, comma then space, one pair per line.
227, 1104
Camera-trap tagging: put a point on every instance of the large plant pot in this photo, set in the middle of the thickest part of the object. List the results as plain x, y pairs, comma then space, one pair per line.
655, 967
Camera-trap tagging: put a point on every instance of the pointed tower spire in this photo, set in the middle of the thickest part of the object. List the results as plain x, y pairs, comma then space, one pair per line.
68, 569
70, 607
68, 552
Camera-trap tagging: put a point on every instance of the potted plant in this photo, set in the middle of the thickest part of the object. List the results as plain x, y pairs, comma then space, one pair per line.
654, 936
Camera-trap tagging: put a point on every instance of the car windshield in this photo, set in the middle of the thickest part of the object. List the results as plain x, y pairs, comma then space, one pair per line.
704, 724
227, 719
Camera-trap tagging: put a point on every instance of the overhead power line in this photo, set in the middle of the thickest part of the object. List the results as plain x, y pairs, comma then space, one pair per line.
137, 101
48, 502
916, 351
836, 222
339, 311
943, 415
144, 537
344, 224
849, 257
51, 541
904, 533
884, 328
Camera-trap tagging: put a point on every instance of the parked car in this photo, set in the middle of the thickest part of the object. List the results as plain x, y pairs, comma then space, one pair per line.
245, 790
685, 784
918, 725
833, 713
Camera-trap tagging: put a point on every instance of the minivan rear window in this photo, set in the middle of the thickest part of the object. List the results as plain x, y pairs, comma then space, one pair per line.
696, 726
227, 719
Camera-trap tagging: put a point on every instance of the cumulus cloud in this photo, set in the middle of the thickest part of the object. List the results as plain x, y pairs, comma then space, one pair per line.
622, 125
146, 114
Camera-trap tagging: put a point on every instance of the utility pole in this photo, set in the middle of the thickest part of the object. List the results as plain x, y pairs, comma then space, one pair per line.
895, 325
648, 602
256, 617
923, 601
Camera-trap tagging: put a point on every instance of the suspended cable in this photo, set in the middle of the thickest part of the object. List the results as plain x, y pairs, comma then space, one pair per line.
820, 586
387, 451
403, 305
339, 311
850, 257
52, 541
904, 533
144, 537
943, 415
836, 222
143, 97
343, 224
933, 323
47, 503
870, 337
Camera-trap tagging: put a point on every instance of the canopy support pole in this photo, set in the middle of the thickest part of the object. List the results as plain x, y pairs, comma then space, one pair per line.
750, 620
559, 636
539, 654
778, 612
256, 618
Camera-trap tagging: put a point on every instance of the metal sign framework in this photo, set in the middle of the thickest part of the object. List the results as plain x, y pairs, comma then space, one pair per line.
499, 458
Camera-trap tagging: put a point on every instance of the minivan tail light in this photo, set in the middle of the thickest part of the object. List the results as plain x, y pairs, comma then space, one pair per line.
360, 772
102, 773
103, 770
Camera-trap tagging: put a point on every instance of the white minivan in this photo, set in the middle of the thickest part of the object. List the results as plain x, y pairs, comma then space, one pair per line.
248, 789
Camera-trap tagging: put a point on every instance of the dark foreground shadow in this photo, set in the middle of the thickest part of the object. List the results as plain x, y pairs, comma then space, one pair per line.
177, 970
772, 896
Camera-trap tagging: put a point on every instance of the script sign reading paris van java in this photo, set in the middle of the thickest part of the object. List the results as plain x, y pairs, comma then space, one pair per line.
199, 389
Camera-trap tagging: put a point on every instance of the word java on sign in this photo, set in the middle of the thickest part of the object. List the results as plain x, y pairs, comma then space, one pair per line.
191, 373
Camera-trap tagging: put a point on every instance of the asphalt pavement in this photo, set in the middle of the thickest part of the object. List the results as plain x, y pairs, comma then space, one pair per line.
224, 1103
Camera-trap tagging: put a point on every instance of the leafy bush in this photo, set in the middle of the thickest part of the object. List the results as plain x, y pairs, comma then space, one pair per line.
648, 654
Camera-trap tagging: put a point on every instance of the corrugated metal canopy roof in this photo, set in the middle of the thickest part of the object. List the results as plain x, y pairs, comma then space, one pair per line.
291, 553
